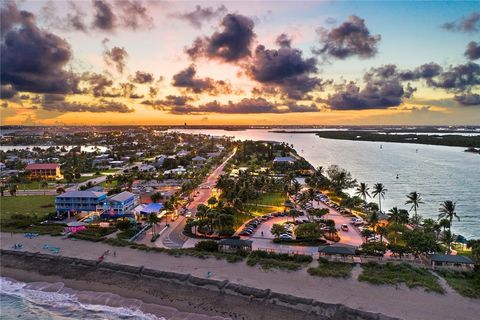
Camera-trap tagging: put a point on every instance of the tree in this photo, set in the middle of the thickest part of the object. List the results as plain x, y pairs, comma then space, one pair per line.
420, 241
373, 220
60, 190
415, 200
381, 231
319, 213
340, 179
2, 190
447, 210
12, 189
293, 213
44, 184
445, 224
212, 201
447, 238
277, 230
475, 246
397, 218
362, 191
153, 220
124, 224
379, 190
155, 197
308, 231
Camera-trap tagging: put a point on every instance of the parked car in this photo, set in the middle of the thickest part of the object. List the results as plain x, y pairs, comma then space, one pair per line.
344, 227
285, 237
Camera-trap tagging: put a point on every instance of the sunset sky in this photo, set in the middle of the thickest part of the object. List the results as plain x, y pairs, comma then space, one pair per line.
249, 62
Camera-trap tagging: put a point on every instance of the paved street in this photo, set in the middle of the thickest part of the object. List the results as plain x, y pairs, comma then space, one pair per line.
174, 237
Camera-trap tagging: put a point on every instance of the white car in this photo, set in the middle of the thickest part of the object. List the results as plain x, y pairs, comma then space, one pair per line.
188, 214
205, 187
285, 237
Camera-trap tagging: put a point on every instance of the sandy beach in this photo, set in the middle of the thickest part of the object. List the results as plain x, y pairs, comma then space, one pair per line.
398, 302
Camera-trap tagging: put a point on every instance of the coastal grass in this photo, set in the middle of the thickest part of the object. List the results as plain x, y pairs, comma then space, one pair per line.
192, 252
271, 260
395, 274
26, 205
465, 283
331, 269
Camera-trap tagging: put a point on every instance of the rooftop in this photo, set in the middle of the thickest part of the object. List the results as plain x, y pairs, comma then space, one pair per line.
42, 166
81, 194
283, 159
450, 258
123, 196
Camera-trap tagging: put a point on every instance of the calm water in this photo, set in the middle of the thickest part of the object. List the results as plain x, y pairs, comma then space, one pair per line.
439, 173
53, 301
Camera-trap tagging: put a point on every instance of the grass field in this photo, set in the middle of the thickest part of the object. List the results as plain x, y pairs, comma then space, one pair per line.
35, 185
27, 205
465, 283
272, 199
395, 274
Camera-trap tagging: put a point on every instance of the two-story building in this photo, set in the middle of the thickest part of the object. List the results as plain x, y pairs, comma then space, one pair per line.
44, 171
77, 201
123, 203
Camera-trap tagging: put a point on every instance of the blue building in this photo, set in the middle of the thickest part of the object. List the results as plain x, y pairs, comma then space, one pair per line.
76, 201
123, 203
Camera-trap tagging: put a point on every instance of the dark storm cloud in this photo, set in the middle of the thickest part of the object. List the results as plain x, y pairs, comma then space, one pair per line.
231, 44
57, 102
187, 79
351, 38
104, 18
284, 67
470, 23
201, 14
32, 59
117, 57
457, 78
473, 50
468, 99
143, 77
245, 106
382, 89
100, 85
7, 92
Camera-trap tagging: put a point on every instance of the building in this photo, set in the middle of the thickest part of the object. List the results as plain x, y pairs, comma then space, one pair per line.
77, 201
284, 160
123, 203
44, 171
448, 261
198, 161
337, 252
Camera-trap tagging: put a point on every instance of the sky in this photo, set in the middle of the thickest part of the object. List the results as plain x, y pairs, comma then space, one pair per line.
240, 63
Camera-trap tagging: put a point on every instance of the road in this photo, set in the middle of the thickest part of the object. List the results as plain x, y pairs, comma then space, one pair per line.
174, 237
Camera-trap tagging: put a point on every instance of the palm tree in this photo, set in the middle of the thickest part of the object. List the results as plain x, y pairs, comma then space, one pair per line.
373, 220
362, 191
397, 217
415, 200
153, 220
379, 190
447, 210
382, 231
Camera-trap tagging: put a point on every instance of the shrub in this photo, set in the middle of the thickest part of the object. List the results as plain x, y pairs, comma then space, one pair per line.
207, 245
331, 269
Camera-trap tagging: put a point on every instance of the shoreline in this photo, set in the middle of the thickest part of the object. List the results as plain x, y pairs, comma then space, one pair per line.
183, 292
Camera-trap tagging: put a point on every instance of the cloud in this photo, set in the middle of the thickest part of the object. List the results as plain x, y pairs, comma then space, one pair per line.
473, 50
425, 71
457, 78
7, 92
230, 44
468, 99
134, 15
244, 106
170, 101
285, 68
351, 38
383, 89
200, 15
187, 79
128, 91
104, 18
33, 59
117, 57
57, 102
143, 77
470, 23
99, 84
73, 21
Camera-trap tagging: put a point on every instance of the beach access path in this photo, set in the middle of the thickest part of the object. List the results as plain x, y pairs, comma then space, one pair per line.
401, 302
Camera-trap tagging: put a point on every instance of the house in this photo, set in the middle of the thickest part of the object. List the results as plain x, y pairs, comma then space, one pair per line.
77, 201
337, 252
123, 203
198, 161
284, 160
117, 163
234, 245
47, 171
183, 153
178, 170
448, 261
143, 210
146, 167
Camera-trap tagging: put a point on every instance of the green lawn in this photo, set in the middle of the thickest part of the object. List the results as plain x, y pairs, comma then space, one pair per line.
331, 269
272, 199
35, 185
395, 274
27, 205
260, 210
465, 283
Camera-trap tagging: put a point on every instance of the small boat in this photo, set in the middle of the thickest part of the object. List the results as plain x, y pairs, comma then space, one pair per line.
381, 147
397, 175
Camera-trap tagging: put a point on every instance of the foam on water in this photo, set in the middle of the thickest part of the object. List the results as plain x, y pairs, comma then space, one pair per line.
55, 301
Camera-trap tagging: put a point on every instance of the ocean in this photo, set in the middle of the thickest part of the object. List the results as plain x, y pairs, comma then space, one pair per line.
439, 173
54, 301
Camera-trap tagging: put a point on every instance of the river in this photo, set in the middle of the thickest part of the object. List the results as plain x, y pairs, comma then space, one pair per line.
439, 173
